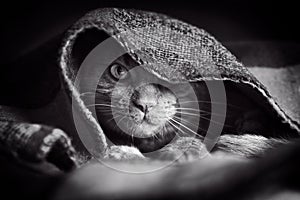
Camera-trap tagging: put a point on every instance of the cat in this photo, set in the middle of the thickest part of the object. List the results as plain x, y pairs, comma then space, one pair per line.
149, 117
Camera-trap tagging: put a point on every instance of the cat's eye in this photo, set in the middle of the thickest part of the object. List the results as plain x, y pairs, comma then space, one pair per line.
118, 71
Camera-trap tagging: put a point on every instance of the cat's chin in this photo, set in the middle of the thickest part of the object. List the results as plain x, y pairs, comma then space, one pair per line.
148, 143
153, 143
146, 129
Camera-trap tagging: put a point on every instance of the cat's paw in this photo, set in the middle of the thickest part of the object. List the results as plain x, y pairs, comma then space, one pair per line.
123, 153
183, 149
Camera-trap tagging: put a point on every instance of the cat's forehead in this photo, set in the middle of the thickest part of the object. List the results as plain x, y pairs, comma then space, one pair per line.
149, 72
127, 60
144, 71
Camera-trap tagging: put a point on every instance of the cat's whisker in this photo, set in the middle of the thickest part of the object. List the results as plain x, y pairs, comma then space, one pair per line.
131, 127
155, 136
207, 113
132, 138
87, 93
172, 124
104, 108
210, 102
120, 113
186, 121
199, 111
215, 122
131, 130
107, 113
113, 118
182, 102
201, 117
204, 112
164, 129
94, 93
100, 104
179, 123
117, 123
192, 109
191, 114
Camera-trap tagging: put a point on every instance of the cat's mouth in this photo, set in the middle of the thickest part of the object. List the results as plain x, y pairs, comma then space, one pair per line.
151, 120
149, 129
147, 137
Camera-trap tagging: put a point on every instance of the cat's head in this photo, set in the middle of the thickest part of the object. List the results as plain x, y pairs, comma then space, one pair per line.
136, 108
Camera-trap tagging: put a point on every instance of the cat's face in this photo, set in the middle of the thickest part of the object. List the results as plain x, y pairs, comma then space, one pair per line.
149, 108
132, 109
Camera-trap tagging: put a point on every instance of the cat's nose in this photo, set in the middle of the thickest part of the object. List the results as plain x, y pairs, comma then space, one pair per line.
143, 102
142, 107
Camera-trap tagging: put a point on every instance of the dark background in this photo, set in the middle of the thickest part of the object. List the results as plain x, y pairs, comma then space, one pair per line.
27, 24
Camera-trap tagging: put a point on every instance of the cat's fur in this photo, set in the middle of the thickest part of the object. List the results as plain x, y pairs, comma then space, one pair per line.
241, 142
